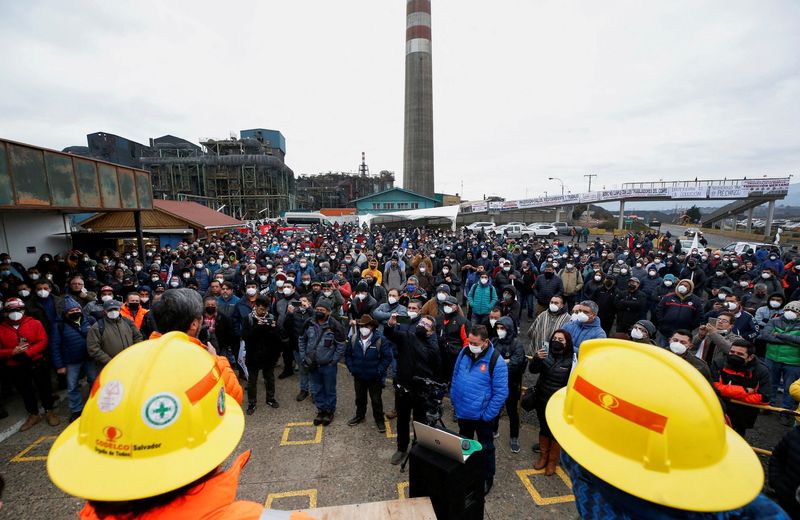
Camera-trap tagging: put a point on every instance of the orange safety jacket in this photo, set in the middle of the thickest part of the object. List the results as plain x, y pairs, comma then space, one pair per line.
126, 313
232, 386
213, 499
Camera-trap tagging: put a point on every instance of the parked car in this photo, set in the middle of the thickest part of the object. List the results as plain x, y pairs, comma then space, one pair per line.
691, 231
743, 247
563, 228
543, 230
477, 226
515, 231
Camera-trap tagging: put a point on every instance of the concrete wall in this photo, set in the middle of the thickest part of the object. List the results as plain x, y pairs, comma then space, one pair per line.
41, 230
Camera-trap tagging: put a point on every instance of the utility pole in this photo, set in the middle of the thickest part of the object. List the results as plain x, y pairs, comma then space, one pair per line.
590, 175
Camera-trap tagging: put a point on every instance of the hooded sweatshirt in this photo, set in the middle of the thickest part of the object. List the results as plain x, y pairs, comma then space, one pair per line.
679, 311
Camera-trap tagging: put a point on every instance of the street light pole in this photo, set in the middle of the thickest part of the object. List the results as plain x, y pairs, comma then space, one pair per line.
559, 181
590, 175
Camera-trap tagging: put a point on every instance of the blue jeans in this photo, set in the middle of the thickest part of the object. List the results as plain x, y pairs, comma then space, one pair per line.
74, 372
323, 381
790, 373
528, 301
302, 371
485, 432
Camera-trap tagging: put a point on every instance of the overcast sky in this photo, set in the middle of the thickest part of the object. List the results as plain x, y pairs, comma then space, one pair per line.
523, 89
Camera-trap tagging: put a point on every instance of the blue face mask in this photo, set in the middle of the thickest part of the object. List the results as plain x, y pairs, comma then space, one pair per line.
410, 287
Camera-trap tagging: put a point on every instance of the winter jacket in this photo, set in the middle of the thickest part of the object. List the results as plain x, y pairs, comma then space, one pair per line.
325, 342
453, 333
650, 285
295, 322
629, 309
674, 312
581, 332
732, 384
784, 471
69, 345
766, 313
137, 320
33, 332
394, 278
475, 394
482, 298
241, 310
783, 340
227, 307
415, 356
511, 307
572, 281
262, 342
384, 311
545, 288
511, 349
715, 346
117, 335
359, 308
370, 364
553, 375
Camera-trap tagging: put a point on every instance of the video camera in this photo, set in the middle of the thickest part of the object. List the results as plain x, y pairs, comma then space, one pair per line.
432, 393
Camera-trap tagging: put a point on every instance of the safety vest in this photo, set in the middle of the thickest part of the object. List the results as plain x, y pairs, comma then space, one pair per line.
126, 312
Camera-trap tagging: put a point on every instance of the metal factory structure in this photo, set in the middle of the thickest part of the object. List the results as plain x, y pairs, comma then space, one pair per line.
245, 177
338, 190
418, 129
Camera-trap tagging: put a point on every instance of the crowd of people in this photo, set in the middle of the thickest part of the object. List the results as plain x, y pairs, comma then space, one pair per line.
395, 304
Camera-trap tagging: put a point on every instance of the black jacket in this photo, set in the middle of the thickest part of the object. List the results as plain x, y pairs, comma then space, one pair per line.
415, 356
784, 471
554, 374
629, 309
452, 332
511, 349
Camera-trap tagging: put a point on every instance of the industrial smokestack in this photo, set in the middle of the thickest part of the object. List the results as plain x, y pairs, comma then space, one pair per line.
418, 135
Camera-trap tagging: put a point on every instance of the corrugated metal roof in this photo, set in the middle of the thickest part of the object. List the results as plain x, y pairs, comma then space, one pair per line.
168, 214
197, 214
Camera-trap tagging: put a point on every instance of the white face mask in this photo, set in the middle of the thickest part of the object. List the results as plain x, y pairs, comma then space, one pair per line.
412, 314
445, 270
668, 283
790, 315
24, 293
42, 293
279, 283
637, 334
683, 289
365, 331
106, 297
744, 284
174, 284
448, 309
441, 296
580, 317
15, 316
287, 291
251, 291
225, 266
652, 273
392, 300
112, 315
553, 307
501, 333
678, 348
252, 271
598, 278
731, 306
765, 276
623, 271
35, 276
422, 269
199, 266
721, 296
263, 277
475, 350
774, 304
361, 296
492, 321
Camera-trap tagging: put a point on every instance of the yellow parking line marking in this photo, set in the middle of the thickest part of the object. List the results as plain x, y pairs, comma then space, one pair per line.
525, 474
285, 438
310, 493
389, 433
402, 490
20, 457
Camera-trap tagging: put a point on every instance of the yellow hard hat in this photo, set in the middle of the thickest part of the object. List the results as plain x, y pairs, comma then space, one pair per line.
646, 421
157, 418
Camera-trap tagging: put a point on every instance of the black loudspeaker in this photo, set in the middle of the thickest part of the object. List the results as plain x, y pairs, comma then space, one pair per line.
455, 489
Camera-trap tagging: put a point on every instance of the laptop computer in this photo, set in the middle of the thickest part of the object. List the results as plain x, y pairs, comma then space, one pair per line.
443, 442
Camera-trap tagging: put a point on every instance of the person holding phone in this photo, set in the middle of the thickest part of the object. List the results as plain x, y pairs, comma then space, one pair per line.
553, 364
22, 345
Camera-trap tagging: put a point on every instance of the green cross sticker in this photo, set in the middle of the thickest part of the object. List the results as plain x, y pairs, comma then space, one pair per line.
161, 410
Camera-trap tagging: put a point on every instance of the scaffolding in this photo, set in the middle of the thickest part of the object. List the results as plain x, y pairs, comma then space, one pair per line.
339, 189
247, 178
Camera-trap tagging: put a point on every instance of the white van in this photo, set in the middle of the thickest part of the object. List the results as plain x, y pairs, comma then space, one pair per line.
306, 219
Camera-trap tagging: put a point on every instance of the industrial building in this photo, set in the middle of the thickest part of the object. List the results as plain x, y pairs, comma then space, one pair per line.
393, 200
244, 177
338, 190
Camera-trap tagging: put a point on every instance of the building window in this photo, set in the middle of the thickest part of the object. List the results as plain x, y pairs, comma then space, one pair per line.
388, 205
376, 205
415, 205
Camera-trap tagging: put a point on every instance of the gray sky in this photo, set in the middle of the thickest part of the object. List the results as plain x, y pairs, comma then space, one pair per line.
523, 89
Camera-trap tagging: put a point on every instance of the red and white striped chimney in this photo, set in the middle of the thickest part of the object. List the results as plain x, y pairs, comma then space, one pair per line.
418, 26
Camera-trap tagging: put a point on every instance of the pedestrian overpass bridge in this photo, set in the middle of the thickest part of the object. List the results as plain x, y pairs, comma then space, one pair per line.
745, 193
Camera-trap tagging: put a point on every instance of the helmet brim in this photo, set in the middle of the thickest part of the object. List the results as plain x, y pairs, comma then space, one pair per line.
114, 479
730, 483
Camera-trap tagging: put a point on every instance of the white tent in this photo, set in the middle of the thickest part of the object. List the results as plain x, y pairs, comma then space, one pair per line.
446, 212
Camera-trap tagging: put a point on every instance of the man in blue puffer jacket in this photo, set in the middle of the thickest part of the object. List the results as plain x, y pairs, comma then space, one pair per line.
478, 392
584, 324
69, 353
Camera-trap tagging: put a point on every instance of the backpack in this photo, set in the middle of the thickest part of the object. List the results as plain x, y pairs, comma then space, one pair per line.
101, 325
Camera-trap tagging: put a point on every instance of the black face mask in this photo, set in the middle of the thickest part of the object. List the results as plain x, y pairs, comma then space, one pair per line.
422, 332
74, 317
548, 275
133, 306
211, 310
557, 347
735, 362
320, 315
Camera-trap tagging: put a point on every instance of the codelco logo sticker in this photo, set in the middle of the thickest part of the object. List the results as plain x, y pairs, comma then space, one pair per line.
161, 410
110, 395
